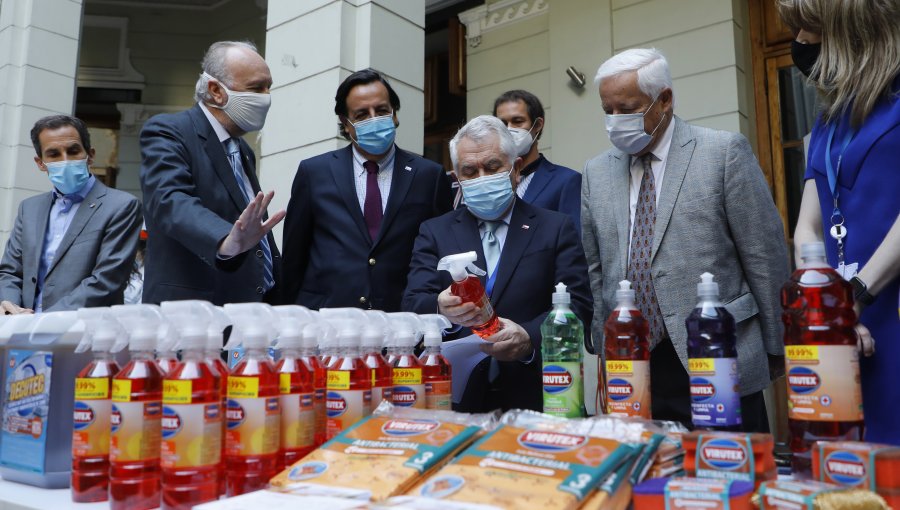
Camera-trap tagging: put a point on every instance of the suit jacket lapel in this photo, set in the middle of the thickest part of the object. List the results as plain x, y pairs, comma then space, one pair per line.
217, 157
401, 180
342, 172
465, 230
32, 253
677, 163
620, 166
543, 174
86, 210
518, 235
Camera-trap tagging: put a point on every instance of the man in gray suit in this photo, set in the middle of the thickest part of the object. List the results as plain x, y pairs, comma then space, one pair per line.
72, 247
703, 206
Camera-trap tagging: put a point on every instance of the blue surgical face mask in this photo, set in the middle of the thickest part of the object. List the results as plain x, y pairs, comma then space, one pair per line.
488, 197
68, 176
375, 135
626, 130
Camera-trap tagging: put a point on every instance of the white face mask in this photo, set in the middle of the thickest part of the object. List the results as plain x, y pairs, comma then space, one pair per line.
247, 109
626, 131
523, 140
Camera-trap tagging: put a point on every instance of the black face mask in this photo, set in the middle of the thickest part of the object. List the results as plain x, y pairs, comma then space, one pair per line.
805, 56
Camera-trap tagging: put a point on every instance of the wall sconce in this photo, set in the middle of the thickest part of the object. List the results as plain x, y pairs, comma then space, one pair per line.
576, 77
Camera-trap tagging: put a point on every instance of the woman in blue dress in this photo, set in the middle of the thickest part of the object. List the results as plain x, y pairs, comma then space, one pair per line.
850, 50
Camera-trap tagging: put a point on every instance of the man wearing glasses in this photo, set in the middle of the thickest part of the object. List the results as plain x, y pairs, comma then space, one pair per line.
354, 213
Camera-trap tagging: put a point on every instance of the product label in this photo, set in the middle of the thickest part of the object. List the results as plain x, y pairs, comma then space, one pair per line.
823, 383
563, 389
338, 380
90, 431
191, 435
135, 430
344, 408
408, 390
25, 410
848, 463
177, 392
628, 388
380, 393
725, 456
778, 494
319, 405
438, 395
698, 493
715, 394
243, 387
253, 425
298, 420
121, 390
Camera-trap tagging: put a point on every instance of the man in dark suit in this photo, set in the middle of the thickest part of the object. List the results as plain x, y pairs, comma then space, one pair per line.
354, 212
541, 182
209, 233
72, 247
526, 250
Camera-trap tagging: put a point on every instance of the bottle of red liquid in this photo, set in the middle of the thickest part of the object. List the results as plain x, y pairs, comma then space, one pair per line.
349, 379
409, 384
192, 413
373, 335
134, 472
253, 433
627, 349
93, 405
436, 370
821, 357
469, 288
296, 378
215, 341
166, 357
312, 332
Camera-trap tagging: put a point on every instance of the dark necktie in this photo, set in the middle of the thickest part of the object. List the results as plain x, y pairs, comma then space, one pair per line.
234, 157
372, 206
640, 257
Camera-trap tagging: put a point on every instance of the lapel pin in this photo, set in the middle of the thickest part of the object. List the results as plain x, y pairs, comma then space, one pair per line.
92, 205
408, 169
525, 227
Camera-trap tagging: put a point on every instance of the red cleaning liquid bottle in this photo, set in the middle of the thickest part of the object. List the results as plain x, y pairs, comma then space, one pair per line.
821, 357
436, 370
191, 454
349, 379
373, 335
312, 333
469, 288
134, 473
215, 341
93, 405
253, 434
409, 385
295, 377
627, 374
166, 357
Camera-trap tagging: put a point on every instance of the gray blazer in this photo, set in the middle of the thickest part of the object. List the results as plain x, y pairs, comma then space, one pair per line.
93, 261
715, 213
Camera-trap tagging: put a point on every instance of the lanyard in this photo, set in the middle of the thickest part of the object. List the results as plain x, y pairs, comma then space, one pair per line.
489, 286
838, 230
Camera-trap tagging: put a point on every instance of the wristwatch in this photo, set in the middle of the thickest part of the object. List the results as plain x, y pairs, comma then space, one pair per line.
861, 292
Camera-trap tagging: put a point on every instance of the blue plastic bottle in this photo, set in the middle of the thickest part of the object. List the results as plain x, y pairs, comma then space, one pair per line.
712, 361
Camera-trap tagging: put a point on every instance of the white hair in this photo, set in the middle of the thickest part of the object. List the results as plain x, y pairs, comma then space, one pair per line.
481, 128
214, 66
652, 69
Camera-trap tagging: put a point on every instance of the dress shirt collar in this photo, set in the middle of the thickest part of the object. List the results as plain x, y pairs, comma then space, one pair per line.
79, 195
217, 126
532, 167
505, 219
662, 147
382, 163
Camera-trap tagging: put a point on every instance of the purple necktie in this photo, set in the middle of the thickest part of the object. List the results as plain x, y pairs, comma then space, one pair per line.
372, 207
641, 250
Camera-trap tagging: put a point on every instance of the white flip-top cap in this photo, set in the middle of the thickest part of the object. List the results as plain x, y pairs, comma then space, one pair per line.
812, 250
625, 294
707, 288
561, 297
141, 322
252, 325
191, 320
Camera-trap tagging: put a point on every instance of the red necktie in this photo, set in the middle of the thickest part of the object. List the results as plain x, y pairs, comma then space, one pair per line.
372, 207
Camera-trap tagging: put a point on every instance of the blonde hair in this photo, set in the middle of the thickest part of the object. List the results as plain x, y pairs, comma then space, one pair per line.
860, 55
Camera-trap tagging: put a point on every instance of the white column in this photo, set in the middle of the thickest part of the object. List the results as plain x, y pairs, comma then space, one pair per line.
38, 60
312, 46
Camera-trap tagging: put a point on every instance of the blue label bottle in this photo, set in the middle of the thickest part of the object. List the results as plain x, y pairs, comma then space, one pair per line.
712, 361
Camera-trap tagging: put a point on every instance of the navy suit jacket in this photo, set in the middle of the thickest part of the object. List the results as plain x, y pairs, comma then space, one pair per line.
191, 201
330, 261
541, 249
556, 188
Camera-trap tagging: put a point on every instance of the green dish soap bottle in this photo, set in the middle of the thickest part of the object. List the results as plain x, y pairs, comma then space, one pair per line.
562, 335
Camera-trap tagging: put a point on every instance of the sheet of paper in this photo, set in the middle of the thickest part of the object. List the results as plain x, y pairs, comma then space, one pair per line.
463, 355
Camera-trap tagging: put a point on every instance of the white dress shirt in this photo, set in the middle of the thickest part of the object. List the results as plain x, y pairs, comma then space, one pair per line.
658, 165
223, 136
385, 177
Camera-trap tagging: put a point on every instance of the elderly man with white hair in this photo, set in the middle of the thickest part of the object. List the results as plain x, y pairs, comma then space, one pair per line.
669, 202
526, 251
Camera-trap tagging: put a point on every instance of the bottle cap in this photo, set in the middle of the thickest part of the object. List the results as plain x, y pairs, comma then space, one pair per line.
405, 328
434, 324
102, 333
561, 297
459, 263
292, 319
348, 324
252, 325
141, 323
190, 319
707, 288
625, 294
813, 250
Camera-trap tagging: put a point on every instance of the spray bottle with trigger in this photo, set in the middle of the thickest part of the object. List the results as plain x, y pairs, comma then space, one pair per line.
373, 335
296, 378
253, 433
134, 472
349, 397
436, 370
215, 340
469, 288
409, 386
192, 413
314, 333
93, 405
165, 348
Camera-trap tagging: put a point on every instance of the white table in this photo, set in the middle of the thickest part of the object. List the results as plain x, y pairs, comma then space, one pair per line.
17, 496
